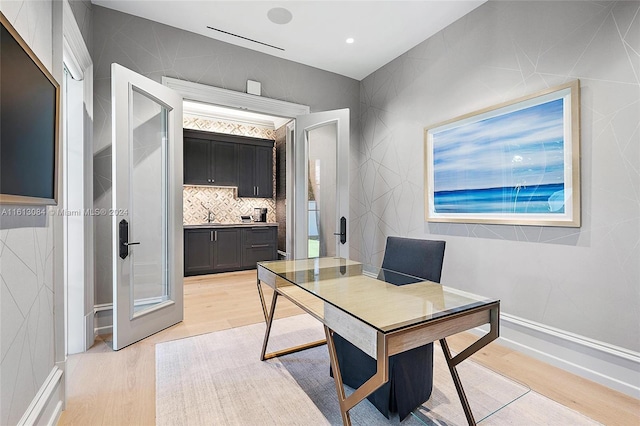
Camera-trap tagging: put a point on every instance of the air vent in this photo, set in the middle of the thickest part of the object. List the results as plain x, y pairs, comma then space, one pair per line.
245, 38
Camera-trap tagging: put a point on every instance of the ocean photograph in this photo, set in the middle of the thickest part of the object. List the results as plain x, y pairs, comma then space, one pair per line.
511, 163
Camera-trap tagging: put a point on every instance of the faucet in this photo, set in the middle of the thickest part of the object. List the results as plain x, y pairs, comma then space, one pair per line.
210, 215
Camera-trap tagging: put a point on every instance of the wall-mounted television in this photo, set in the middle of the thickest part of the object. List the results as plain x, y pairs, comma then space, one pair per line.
29, 120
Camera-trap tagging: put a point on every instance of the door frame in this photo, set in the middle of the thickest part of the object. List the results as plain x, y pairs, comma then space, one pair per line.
243, 101
79, 303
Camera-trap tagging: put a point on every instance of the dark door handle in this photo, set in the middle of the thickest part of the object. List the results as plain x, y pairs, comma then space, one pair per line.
343, 230
123, 234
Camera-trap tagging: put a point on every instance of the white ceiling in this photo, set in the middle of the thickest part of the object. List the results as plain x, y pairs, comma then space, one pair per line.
317, 34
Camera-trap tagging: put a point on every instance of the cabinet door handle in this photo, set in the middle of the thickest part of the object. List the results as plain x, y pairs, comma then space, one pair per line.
259, 245
211, 235
216, 236
257, 190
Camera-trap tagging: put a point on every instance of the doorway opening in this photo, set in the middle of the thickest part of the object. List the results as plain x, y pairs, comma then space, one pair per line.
222, 204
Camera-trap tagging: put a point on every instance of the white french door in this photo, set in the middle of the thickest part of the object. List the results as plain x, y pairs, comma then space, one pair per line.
321, 174
147, 207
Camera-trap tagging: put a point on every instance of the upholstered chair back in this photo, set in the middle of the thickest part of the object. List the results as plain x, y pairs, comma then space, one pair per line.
419, 258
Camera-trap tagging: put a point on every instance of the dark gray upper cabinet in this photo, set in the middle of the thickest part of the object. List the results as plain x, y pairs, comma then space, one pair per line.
225, 163
229, 160
197, 161
256, 171
264, 171
246, 177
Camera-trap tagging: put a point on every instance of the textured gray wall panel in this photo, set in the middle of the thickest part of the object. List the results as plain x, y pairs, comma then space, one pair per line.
585, 280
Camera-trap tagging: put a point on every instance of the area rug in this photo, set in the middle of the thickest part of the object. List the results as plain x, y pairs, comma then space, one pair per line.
218, 379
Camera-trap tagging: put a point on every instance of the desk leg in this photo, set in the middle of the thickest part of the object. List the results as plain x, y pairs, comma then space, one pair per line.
456, 380
493, 334
378, 379
268, 318
264, 307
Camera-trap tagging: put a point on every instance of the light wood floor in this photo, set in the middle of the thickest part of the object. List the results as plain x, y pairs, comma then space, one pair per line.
118, 388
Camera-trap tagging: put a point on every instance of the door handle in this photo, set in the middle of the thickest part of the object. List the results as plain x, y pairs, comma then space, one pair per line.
123, 237
343, 230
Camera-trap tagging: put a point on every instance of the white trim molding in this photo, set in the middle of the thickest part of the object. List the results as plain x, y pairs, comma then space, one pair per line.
232, 99
609, 365
103, 319
80, 60
46, 406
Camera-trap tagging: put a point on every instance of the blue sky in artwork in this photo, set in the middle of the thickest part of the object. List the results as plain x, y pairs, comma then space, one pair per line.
520, 148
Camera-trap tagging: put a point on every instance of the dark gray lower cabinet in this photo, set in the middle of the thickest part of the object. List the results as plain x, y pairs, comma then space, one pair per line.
212, 250
258, 244
226, 249
198, 251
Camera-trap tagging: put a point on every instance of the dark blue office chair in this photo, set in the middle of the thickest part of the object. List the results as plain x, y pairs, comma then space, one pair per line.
411, 372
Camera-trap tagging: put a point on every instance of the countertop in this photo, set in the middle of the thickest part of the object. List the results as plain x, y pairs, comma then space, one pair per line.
229, 225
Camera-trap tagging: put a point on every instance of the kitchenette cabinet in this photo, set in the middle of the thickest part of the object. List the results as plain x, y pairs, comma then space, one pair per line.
256, 176
209, 249
216, 159
210, 162
259, 244
198, 251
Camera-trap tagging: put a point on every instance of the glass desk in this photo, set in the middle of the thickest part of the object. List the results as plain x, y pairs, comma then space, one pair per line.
368, 307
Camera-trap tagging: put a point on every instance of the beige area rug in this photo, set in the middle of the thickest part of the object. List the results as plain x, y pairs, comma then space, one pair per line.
218, 379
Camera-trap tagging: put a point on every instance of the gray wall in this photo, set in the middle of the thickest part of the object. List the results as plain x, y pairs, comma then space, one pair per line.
156, 50
585, 280
83, 12
30, 284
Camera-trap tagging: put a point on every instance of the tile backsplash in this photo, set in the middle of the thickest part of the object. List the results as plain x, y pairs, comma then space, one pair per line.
224, 204
195, 122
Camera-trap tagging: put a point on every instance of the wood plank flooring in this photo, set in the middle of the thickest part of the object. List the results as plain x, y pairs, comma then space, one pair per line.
118, 388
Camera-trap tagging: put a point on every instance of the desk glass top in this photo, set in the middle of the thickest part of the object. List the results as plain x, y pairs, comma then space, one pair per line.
384, 299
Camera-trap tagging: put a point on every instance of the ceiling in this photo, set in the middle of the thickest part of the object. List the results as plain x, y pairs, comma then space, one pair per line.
316, 35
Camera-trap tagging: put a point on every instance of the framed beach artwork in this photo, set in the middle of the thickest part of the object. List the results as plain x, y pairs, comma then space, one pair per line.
517, 163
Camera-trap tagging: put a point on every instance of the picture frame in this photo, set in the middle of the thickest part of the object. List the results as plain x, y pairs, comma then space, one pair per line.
515, 163
30, 114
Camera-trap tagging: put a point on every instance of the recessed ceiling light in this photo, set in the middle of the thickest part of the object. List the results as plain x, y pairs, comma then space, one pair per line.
279, 15
350, 40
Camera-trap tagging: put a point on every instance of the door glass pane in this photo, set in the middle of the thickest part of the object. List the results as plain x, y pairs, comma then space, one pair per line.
148, 203
322, 191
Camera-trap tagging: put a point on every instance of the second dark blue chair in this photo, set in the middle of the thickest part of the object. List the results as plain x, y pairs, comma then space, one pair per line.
411, 372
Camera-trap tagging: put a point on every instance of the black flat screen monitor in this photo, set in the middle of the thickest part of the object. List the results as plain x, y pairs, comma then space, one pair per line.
29, 115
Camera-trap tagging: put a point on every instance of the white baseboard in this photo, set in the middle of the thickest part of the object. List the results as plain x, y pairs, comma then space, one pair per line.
611, 366
103, 319
106, 329
46, 406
